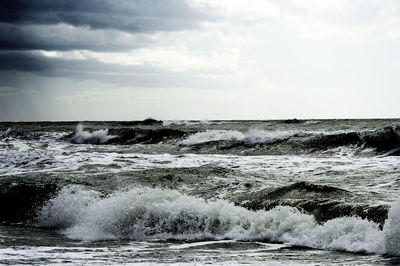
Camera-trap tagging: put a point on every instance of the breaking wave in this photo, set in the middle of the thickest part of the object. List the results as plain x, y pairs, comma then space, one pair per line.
253, 136
123, 135
382, 142
167, 123
144, 213
85, 137
212, 135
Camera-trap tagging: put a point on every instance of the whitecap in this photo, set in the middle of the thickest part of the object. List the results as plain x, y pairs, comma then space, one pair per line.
95, 137
144, 213
252, 136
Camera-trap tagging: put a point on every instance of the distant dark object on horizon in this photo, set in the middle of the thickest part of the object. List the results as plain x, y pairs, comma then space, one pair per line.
292, 121
151, 121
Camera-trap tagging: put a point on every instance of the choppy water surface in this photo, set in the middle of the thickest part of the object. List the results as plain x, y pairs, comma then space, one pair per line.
184, 192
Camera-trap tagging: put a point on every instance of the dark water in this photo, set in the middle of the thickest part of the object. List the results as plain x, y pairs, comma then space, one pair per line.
183, 192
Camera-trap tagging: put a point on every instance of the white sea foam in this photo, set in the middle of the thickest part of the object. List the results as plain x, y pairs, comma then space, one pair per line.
95, 137
143, 213
312, 122
23, 156
184, 122
212, 135
392, 230
65, 209
252, 136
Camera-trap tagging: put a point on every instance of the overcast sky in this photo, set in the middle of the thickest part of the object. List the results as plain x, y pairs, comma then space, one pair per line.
199, 59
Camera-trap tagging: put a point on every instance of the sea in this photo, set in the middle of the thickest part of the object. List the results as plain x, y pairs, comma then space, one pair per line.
274, 192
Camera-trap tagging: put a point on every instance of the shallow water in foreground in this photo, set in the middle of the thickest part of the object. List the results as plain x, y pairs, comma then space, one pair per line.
205, 192
26, 245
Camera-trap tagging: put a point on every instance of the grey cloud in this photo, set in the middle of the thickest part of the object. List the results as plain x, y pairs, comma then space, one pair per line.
143, 76
101, 25
28, 61
125, 15
64, 37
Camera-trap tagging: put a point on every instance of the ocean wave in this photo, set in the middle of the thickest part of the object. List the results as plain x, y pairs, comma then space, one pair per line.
144, 213
324, 202
382, 142
123, 135
211, 135
5, 132
184, 122
253, 136
30, 155
85, 137
19, 200
312, 122
392, 230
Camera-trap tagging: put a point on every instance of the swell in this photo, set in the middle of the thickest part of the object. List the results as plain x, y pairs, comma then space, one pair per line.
123, 136
144, 213
35, 130
384, 141
323, 202
19, 201
145, 136
20, 134
299, 214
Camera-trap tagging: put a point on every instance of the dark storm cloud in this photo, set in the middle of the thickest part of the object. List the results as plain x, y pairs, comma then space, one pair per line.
64, 38
126, 15
90, 25
58, 67
141, 76
27, 26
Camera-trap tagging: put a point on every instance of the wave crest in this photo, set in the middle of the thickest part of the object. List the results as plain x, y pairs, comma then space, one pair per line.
252, 136
211, 135
85, 137
143, 213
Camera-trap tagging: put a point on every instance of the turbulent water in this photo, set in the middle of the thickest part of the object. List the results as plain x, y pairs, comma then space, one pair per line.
301, 192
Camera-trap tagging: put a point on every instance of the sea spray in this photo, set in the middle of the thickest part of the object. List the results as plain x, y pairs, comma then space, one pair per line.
145, 214
65, 209
96, 137
212, 135
392, 230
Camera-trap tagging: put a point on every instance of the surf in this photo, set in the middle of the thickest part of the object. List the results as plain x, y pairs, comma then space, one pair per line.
146, 214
